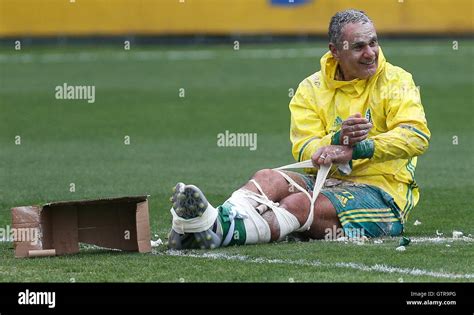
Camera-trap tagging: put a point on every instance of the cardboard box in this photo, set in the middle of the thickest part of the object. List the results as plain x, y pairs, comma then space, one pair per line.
57, 228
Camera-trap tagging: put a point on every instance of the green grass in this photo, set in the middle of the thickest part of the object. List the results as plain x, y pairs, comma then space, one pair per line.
174, 139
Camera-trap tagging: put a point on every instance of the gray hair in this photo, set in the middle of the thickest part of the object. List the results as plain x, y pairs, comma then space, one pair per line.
341, 19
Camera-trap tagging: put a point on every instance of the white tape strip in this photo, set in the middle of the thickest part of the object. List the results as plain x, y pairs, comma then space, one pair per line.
194, 225
303, 164
320, 179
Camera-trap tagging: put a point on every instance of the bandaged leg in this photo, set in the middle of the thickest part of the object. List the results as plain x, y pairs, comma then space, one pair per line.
287, 221
320, 178
196, 224
240, 221
250, 206
194, 219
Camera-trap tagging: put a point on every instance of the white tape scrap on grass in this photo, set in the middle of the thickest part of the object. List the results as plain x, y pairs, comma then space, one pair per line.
156, 243
316, 263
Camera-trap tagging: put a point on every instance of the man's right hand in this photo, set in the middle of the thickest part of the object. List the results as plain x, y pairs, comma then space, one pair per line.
338, 154
354, 129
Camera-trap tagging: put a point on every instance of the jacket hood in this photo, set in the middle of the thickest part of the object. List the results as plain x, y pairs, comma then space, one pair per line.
357, 86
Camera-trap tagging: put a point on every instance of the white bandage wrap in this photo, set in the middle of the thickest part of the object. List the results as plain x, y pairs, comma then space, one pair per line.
256, 228
194, 225
320, 178
287, 221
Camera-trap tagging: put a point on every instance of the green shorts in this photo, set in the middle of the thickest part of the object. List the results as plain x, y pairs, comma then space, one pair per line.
363, 210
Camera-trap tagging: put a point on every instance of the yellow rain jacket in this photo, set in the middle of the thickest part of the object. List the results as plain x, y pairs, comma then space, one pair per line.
390, 100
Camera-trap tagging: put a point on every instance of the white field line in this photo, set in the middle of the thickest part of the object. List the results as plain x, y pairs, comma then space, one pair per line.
441, 239
315, 263
171, 55
182, 55
421, 239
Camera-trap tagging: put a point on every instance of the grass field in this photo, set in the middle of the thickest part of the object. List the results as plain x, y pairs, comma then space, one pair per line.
173, 139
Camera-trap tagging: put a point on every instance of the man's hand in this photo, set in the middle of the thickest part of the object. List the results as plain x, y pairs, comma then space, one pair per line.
339, 154
354, 129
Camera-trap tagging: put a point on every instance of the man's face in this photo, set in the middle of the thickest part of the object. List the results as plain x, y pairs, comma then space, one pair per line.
358, 56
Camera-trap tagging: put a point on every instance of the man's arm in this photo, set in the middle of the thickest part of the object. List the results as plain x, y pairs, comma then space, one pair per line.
408, 134
307, 131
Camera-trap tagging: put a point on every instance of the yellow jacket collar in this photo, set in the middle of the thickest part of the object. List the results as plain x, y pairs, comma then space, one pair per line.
328, 69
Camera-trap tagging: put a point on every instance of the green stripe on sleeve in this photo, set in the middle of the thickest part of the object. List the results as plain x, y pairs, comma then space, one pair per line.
304, 147
417, 131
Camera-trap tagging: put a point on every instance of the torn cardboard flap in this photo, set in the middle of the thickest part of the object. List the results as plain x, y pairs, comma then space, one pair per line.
57, 228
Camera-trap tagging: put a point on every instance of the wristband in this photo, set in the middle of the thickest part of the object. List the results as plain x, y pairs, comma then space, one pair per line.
363, 150
336, 137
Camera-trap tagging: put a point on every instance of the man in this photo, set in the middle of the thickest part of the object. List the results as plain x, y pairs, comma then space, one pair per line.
358, 110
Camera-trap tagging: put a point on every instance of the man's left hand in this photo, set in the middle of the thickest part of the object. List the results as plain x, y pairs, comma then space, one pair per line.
354, 129
338, 154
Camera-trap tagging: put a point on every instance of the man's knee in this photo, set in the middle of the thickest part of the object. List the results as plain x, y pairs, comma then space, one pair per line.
266, 174
324, 214
272, 184
288, 217
298, 205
